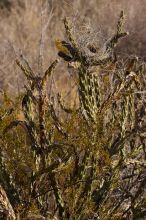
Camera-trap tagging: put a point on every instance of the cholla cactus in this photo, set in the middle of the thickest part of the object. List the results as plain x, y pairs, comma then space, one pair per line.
88, 54
104, 110
83, 163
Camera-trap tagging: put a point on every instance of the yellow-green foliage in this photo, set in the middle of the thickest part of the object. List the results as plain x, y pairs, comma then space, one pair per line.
78, 165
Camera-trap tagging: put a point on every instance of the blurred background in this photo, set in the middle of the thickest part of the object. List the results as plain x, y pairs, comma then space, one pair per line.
30, 27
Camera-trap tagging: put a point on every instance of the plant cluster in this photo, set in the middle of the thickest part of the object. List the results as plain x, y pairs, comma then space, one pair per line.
87, 162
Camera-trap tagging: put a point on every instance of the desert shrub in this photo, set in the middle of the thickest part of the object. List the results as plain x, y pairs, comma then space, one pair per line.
83, 162
22, 27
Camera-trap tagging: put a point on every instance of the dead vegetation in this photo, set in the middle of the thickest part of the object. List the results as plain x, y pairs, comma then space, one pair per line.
85, 160
26, 22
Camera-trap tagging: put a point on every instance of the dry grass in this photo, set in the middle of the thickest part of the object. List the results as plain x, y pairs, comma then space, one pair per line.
79, 120
25, 24
81, 161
